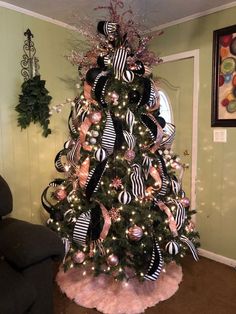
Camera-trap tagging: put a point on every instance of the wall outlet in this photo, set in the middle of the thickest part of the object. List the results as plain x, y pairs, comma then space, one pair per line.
220, 135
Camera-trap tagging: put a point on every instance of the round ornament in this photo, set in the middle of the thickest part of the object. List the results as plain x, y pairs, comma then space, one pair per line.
124, 197
112, 260
92, 74
92, 140
226, 40
100, 154
228, 65
79, 257
134, 96
231, 106
185, 201
129, 155
95, 117
135, 233
94, 133
128, 76
172, 248
60, 194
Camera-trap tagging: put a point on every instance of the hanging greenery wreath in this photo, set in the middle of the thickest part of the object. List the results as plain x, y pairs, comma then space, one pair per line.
33, 105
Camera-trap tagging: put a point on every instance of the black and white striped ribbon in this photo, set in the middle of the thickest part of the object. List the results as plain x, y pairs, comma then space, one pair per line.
156, 263
58, 161
180, 215
169, 135
119, 61
81, 228
176, 186
94, 178
191, 246
136, 178
130, 139
152, 97
109, 135
147, 163
109, 28
164, 178
67, 244
130, 120
72, 155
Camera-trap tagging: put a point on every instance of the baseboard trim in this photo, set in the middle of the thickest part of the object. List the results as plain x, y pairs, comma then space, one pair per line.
218, 258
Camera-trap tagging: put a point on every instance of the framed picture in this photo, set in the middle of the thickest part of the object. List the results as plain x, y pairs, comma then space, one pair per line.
223, 113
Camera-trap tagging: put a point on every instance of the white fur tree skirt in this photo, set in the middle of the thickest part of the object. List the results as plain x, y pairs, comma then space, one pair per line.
111, 297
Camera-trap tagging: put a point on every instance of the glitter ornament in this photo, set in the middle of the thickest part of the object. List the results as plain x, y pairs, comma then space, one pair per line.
93, 140
60, 194
112, 260
94, 133
116, 183
185, 201
78, 257
135, 233
114, 213
124, 197
172, 248
95, 117
129, 155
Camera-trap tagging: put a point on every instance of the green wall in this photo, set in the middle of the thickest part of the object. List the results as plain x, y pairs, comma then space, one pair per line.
27, 158
216, 171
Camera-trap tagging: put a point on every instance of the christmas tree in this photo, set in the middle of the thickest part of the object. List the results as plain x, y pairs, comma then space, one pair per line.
119, 205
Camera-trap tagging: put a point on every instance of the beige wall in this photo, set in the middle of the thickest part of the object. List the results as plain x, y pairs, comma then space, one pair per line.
216, 171
26, 158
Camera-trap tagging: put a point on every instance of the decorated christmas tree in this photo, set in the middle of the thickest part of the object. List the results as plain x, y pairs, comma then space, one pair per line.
118, 204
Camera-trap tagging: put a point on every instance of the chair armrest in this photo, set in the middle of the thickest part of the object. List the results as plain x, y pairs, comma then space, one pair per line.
24, 244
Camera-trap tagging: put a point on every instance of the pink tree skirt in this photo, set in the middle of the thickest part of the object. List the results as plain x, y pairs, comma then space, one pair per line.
113, 297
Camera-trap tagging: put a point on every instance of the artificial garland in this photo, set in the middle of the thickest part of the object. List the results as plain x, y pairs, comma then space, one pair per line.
33, 105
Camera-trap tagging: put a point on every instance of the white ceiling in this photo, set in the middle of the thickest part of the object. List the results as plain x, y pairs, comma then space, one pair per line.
150, 13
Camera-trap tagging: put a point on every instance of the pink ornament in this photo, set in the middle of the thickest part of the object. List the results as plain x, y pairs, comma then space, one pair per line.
112, 260
116, 183
129, 155
95, 117
60, 194
185, 202
79, 257
135, 233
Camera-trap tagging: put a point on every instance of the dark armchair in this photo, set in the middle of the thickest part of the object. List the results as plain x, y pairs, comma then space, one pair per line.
27, 254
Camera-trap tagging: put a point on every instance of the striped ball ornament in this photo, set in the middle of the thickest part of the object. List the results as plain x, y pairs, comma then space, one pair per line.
124, 197
128, 76
100, 154
172, 248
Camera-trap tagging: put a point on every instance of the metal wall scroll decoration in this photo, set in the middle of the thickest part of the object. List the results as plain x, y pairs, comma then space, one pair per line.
30, 63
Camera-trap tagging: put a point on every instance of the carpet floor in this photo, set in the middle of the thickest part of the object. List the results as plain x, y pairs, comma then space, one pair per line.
208, 287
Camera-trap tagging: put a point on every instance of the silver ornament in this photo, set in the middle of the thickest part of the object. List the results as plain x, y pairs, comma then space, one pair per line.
94, 133
93, 140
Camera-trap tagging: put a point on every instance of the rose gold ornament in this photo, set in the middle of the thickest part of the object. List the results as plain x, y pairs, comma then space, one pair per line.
114, 213
185, 202
135, 233
95, 117
60, 194
129, 155
112, 260
116, 183
79, 257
